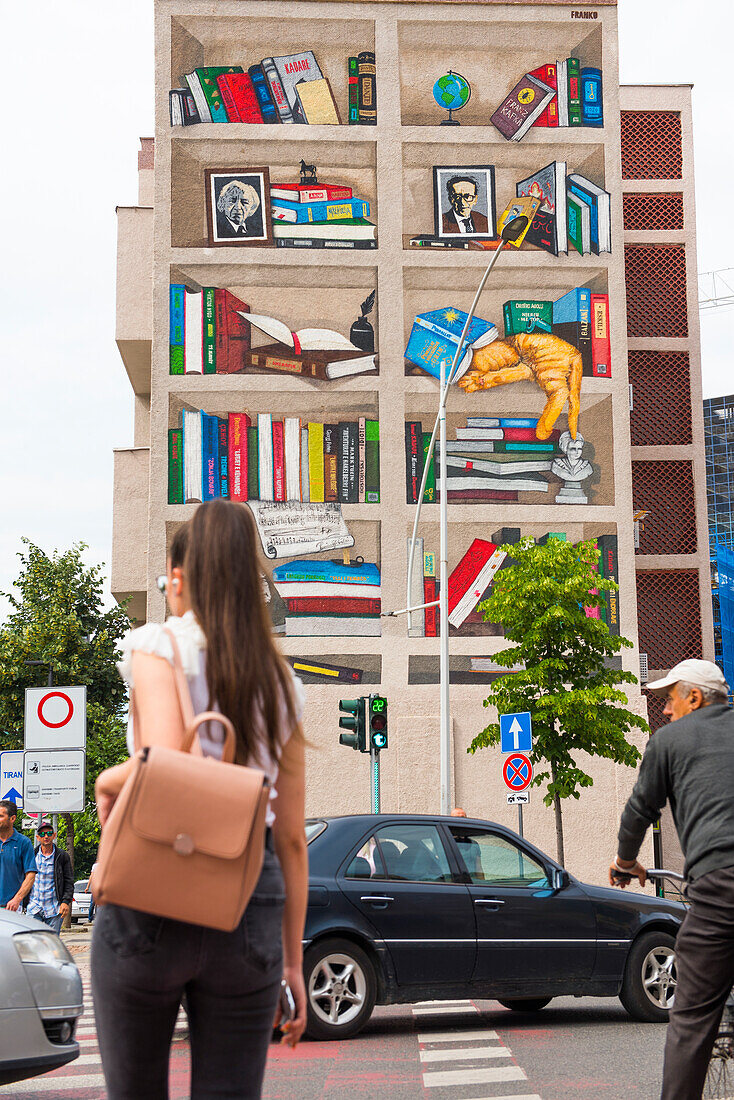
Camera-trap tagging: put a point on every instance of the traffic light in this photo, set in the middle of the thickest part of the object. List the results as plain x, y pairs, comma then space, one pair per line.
378, 722
355, 722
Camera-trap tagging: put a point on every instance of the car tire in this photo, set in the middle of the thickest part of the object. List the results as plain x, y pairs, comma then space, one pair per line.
648, 986
527, 1004
340, 980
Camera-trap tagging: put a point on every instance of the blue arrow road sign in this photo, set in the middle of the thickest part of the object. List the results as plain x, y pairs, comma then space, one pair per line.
516, 732
11, 775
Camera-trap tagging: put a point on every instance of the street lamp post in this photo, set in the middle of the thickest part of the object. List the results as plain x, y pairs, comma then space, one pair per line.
510, 233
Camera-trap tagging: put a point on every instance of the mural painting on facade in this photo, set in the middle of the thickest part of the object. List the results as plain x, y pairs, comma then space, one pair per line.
464, 201
557, 93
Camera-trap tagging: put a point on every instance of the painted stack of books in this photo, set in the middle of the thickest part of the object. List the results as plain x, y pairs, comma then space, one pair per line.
239, 457
469, 583
320, 216
580, 317
559, 93
574, 210
287, 89
491, 459
210, 333
329, 598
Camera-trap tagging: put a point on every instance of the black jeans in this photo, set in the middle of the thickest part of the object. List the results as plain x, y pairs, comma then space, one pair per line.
143, 965
704, 952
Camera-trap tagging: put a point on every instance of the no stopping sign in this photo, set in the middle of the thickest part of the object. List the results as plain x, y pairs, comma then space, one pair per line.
517, 771
56, 718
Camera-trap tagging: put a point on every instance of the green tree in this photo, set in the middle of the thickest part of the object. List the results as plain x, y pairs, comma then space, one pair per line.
565, 680
57, 616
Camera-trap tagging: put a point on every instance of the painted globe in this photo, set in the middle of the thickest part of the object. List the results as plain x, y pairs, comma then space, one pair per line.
452, 91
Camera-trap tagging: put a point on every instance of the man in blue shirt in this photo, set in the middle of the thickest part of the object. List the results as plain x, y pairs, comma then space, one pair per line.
17, 860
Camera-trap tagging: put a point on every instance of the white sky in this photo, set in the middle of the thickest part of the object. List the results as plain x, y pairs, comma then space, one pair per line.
81, 94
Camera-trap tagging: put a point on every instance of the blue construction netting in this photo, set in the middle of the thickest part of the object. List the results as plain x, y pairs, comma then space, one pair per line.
725, 568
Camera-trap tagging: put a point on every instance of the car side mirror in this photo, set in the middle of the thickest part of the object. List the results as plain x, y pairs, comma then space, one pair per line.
559, 879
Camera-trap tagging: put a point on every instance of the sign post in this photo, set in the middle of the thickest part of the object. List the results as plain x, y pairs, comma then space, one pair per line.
516, 739
54, 768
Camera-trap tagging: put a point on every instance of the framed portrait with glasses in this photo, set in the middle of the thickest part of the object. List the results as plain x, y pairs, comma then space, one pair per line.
464, 202
238, 207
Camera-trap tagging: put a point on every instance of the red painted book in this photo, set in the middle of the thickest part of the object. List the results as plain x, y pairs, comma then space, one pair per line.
430, 592
233, 332
238, 425
526, 435
278, 460
479, 496
238, 91
549, 114
601, 349
325, 605
470, 567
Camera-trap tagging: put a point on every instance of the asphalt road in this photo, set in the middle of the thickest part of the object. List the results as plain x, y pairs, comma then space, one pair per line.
449, 1051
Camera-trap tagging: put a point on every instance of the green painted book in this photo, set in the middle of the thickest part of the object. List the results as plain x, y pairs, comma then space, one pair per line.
429, 493
573, 73
523, 316
209, 358
176, 329
253, 478
353, 89
372, 461
175, 466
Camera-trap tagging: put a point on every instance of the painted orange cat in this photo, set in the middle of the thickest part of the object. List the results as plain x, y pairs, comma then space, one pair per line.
553, 363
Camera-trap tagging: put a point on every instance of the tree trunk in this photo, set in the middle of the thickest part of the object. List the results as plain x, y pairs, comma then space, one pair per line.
69, 823
560, 855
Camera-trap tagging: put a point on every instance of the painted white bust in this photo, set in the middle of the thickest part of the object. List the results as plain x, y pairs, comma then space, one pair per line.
572, 469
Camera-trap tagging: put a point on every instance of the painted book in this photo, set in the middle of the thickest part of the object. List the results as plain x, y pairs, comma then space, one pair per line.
292, 443
182, 107
601, 349
324, 365
296, 192
291, 69
474, 479
524, 316
366, 89
347, 456
278, 461
316, 462
572, 322
265, 100
302, 340
608, 567
317, 103
209, 349
520, 108
331, 463
332, 626
592, 100
416, 619
573, 75
435, 337
321, 670
237, 445
471, 577
193, 333
223, 433
372, 462
308, 241
232, 332
191, 430
562, 91
413, 460
177, 298
579, 223
240, 98
600, 206
210, 456
309, 605
546, 74
430, 593
277, 91
304, 213
266, 485
340, 229
206, 93
549, 229
498, 469
429, 493
305, 486
175, 466
353, 89
253, 475
480, 496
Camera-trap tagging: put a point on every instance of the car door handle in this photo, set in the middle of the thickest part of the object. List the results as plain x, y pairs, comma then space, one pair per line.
493, 902
377, 899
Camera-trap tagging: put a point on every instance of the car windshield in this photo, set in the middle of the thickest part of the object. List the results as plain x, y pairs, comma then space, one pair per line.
80, 886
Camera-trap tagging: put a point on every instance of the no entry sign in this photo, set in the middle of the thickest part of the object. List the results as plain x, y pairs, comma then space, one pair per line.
517, 772
56, 718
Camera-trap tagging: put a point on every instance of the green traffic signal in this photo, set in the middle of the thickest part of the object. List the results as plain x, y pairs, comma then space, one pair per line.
354, 721
378, 722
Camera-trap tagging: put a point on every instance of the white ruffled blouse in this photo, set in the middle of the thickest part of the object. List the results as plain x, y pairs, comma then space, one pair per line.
153, 639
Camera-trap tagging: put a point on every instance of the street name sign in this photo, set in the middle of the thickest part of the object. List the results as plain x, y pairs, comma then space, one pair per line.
54, 781
516, 732
11, 776
519, 798
517, 772
56, 718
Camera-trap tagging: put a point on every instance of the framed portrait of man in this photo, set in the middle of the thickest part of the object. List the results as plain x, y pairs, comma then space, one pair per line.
238, 207
464, 202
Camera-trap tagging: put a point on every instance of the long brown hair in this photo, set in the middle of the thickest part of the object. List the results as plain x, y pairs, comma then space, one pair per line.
246, 675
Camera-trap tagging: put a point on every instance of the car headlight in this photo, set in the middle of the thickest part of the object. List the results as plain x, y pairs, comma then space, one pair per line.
40, 947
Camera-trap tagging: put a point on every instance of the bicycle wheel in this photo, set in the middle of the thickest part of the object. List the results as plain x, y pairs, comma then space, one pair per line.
719, 1083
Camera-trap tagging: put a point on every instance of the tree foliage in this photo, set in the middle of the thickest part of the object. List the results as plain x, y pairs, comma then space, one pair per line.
567, 679
57, 615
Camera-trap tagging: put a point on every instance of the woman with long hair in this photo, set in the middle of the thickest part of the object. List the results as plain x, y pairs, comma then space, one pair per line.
143, 965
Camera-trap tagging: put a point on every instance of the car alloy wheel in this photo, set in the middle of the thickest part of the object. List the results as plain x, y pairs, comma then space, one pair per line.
340, 989
659, 977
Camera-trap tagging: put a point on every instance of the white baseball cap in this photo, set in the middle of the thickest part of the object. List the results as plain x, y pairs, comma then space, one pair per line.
703, 674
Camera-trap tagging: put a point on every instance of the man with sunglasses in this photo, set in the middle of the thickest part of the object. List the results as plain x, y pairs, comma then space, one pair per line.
53, 890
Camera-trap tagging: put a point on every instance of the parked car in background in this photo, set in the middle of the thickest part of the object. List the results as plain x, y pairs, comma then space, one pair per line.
80, 901
41, 999
407, 908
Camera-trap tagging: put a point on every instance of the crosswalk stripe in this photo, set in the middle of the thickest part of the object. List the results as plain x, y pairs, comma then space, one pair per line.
464, 1054
451, 1010
515, 1096
479, 1076
59, 1085
454, 1036
457, 1001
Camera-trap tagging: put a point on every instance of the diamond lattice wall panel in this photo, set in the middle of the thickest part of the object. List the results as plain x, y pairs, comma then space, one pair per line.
668, 615
649, 212
655, 716
661, 398
665, 490
655, 279
651, 145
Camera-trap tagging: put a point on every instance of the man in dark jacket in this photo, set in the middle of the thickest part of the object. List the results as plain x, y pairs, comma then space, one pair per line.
690, 764
53, 890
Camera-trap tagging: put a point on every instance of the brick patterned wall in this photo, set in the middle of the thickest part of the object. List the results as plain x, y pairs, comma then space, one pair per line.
660, 211
665, 489
655, 277
669, 615
651, 145
661, 398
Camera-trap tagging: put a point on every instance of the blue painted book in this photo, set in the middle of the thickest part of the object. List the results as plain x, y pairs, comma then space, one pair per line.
300, 213
223, 434
518, 422
209, 456
330, 572
177, 295
572, 322
264, 96
191, 432
435, 337
592, 105
600, 210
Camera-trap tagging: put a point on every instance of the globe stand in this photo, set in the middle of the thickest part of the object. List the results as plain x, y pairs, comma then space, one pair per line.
450, 121
452, 92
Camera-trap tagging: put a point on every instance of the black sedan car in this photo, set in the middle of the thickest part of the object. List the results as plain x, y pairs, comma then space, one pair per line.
404, 908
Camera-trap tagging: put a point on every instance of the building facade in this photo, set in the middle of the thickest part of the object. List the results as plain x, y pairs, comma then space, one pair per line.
718, 420
632, 433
